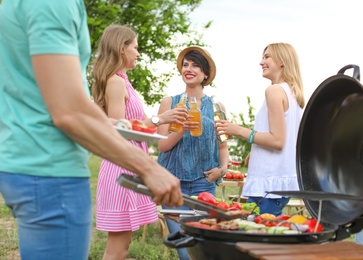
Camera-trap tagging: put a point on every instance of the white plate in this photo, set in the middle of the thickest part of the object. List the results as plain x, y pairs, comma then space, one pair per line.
139, 136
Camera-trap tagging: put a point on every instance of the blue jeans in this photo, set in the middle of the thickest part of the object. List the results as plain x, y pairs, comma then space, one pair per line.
54, 215
359, 237
191, 189
272, 206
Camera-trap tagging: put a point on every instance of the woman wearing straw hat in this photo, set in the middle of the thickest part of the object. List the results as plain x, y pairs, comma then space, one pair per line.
199, 162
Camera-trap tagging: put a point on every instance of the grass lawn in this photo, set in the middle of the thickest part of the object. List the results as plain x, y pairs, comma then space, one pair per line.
148, 247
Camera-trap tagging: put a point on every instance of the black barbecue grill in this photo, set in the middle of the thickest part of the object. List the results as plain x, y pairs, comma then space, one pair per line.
330, 175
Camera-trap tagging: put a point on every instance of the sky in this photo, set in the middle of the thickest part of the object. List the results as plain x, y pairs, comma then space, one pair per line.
326, 34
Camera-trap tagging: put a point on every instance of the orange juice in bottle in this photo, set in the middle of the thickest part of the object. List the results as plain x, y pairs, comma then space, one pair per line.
219, 114
174, 127
197, 117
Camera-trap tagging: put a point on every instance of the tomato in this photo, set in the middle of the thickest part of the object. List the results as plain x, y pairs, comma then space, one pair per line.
235, 176
207, 197
223, 205
282, 217
258, 219
311, 223
149, 129
229, 176
236, 205
241, 176
269, 223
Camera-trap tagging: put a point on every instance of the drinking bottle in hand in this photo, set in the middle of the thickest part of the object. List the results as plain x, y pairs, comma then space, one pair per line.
197, 117
219, 114
174, 127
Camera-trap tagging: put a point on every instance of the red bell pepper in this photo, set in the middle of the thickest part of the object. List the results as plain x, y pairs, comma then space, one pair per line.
207, 197
223, 205
311, 223
235, 206
282, 217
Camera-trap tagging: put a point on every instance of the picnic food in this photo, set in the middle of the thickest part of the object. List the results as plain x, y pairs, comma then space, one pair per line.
267, 226
124, 123
234, 175
138, 125
207, 197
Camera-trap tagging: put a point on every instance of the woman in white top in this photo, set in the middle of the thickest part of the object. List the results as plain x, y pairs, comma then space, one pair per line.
272, 161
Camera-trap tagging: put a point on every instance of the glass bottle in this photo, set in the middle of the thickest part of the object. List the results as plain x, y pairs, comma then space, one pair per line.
197, 117
174, 127
219, 114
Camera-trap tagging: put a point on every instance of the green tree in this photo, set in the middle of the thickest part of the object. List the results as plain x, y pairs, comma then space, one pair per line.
242, 147
164, 28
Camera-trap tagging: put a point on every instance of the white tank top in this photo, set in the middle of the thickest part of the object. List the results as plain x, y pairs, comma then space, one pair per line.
271, 170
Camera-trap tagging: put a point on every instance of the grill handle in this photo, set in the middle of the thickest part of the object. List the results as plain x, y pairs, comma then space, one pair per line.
177, 240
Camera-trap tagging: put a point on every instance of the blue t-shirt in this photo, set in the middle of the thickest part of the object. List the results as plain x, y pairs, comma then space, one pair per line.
29, 141
192, 156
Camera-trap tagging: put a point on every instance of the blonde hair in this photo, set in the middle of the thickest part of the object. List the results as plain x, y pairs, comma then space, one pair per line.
109, 58
285, 54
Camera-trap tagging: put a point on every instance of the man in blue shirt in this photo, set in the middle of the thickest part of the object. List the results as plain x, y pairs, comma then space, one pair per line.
47, 125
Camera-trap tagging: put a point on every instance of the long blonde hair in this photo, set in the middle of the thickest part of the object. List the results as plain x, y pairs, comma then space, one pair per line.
108, 59
285, 54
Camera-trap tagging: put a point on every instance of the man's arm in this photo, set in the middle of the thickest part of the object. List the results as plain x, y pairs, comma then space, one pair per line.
60, 82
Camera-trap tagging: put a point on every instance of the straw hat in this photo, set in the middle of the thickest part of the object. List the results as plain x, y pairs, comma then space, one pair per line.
212, 65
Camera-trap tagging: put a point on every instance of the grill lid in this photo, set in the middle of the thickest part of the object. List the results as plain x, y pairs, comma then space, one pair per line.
330, 147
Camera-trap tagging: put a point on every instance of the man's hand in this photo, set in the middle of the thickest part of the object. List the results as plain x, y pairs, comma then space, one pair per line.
164, 186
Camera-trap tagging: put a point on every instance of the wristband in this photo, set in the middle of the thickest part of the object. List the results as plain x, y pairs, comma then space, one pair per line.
222, 170
251, 137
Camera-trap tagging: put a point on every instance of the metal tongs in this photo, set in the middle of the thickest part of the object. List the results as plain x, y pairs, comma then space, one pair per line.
136, 184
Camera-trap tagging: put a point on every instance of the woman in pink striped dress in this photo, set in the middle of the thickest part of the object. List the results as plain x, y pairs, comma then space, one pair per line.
120, 211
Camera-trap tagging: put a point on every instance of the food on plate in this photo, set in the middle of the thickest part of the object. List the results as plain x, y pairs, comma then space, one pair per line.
149, 129
234, 175
313, 226
124, 124
228, 225
200, 225
207, 197
252, 207
298, 219
228, 205
238, 213
137, 125
235, 206
282, 217
268, 216
299, 227
269, 226
215, 224
277, 230
223, 205
228, 175
209, 221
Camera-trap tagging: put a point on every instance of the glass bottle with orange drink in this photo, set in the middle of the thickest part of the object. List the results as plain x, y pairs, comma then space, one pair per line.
197, 117
219, 114
174, 127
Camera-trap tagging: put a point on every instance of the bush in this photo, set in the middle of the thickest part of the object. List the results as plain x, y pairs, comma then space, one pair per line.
242, 148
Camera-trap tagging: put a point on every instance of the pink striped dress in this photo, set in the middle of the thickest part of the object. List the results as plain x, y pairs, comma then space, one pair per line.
117, 208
